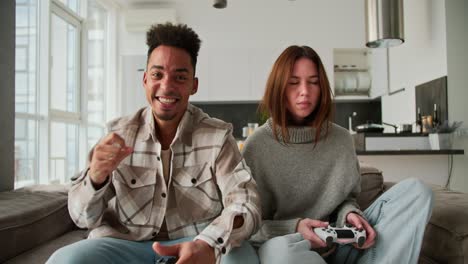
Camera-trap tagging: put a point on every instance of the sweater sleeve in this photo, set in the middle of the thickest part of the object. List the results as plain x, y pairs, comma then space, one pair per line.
350, 203
274, 228
348, 206
269, 228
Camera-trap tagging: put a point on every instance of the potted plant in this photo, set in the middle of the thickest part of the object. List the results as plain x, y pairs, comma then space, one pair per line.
441, 137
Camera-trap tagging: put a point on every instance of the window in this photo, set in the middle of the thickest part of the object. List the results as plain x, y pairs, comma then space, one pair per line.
25, 151
64, 94
26, 119
96, 104
64, 70
63, 151
60, 109
72, 4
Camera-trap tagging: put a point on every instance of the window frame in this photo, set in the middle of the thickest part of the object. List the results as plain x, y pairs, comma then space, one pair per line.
28, 116
68, 15
44, 114
60, 116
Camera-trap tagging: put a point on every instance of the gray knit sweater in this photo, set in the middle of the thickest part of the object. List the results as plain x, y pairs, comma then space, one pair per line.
297, 180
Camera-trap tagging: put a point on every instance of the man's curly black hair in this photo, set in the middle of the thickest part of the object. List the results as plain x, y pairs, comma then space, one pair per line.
179, 36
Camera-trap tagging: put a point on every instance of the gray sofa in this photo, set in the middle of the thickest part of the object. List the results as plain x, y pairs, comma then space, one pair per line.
34, 222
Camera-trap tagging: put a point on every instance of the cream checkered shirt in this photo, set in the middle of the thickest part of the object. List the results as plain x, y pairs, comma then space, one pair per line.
208, 186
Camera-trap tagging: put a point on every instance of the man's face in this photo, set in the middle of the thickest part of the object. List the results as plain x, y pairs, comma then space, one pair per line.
169, 81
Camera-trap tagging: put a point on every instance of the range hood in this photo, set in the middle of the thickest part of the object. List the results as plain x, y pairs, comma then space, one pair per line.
384, 23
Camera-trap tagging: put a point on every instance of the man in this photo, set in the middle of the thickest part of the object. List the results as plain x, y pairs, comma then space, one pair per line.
169, 173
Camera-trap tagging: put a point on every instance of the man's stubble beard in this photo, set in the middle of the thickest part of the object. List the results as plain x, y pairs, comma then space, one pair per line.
164, 116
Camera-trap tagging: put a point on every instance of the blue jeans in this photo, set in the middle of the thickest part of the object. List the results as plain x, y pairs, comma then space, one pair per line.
118, 251
399, 216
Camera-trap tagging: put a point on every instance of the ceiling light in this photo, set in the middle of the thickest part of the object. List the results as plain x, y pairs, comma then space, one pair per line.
220, 3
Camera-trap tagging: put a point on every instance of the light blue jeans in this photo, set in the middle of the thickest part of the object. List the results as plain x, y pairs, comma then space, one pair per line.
109, 250
399, 216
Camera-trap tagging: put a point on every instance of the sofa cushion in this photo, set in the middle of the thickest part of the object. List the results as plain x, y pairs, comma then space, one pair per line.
446, 235
41, 254
29, 218
371, 185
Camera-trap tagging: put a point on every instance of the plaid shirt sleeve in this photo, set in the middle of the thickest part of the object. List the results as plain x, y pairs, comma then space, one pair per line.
85, 203
240, 198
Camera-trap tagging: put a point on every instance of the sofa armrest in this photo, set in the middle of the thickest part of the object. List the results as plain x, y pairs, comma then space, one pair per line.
388, 185
371, 185
446, 235
29, 218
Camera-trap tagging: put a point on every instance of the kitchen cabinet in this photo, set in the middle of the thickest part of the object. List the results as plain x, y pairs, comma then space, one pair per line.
360, 73
369, 143
223, 76
351, 72
240, 74
405, 155
233, 74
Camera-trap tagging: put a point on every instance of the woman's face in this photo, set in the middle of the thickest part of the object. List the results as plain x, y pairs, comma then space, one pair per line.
302, 90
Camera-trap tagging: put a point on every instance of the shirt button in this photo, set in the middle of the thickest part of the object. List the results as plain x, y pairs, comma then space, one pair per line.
194, 180
154, 234
163, 195
133, 181
159, 158
220, 240
223, 250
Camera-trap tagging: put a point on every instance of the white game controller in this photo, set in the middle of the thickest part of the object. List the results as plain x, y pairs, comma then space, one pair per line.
341, 235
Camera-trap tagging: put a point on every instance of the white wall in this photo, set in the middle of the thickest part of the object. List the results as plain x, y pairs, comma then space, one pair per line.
241, 42
431, 169
423, 57
457, 55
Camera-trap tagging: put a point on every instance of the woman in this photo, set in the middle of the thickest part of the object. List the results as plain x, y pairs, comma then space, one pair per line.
308, 176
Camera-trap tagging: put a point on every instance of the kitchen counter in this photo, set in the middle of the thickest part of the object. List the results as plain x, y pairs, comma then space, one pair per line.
405, 155
373, 134
411, 152
398, 144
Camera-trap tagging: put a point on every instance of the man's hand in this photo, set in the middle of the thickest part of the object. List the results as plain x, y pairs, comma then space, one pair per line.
107, 155
359, 222
306, 228
196, 252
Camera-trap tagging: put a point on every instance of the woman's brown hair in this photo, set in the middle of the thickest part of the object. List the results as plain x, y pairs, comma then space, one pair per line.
274, 99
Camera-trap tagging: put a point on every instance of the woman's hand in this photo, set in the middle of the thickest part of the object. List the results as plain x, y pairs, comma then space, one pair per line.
359, 222
306, 228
